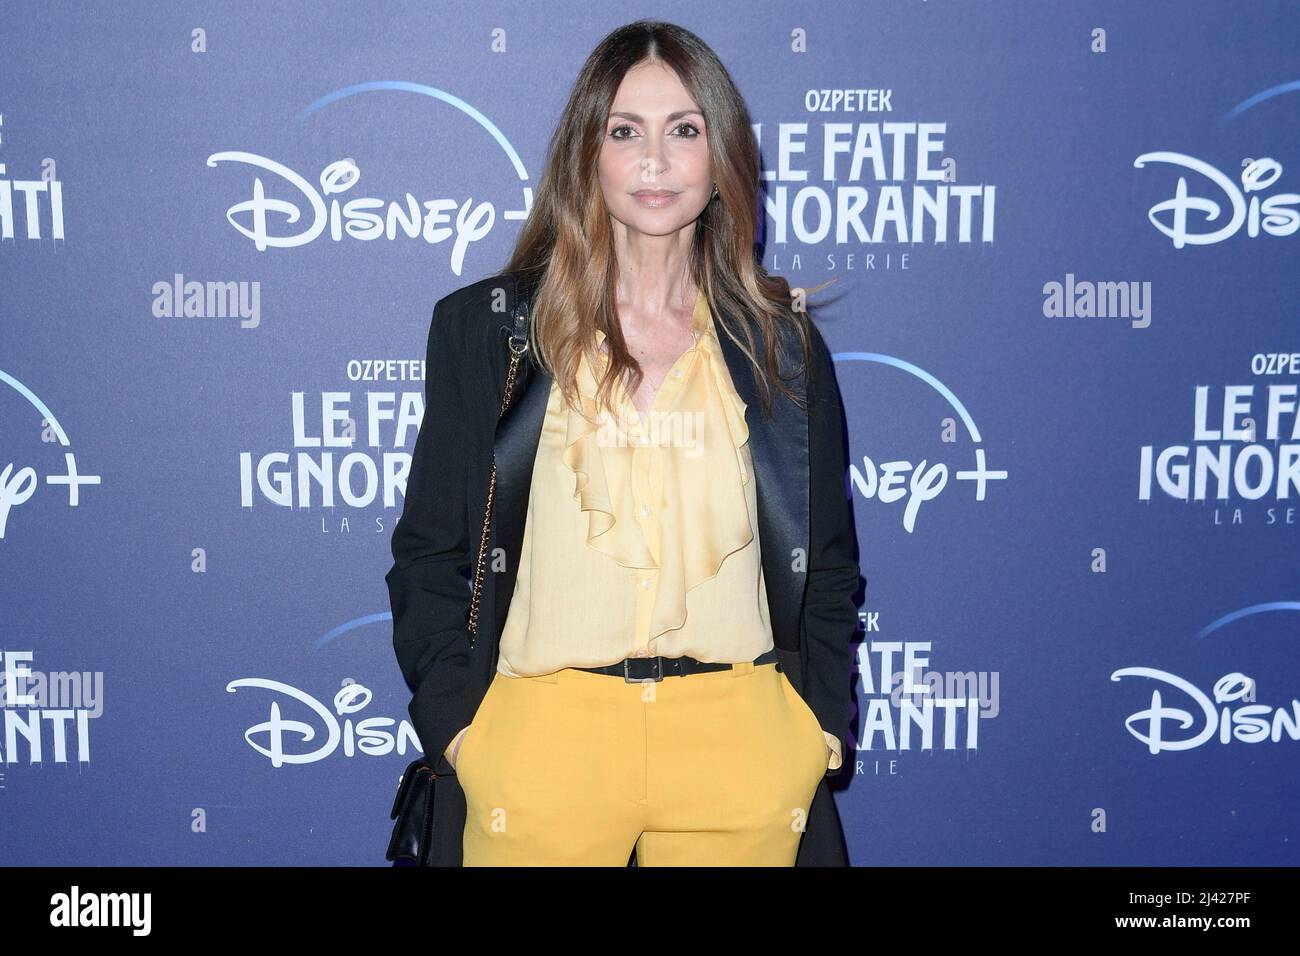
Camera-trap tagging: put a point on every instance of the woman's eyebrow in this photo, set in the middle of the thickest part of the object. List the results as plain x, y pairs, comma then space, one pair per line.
671, 116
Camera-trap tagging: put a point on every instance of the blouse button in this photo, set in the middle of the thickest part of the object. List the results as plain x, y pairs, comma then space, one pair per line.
645, 510
677, 373
645, 583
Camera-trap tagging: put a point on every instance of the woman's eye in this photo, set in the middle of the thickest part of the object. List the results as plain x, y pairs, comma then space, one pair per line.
692, 131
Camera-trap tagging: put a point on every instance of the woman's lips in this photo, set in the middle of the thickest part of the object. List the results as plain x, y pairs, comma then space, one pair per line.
655, 198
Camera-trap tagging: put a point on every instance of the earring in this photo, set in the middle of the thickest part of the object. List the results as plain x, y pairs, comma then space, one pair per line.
715, 192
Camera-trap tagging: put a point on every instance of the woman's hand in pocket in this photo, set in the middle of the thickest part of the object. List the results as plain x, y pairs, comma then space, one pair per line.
453, 748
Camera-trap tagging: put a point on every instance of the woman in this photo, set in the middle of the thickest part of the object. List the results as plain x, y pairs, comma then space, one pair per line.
663, 654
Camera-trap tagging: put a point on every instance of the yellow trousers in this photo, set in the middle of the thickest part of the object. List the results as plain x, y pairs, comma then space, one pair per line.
575, 769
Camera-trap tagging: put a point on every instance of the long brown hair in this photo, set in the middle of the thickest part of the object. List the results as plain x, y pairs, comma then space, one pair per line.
568, 244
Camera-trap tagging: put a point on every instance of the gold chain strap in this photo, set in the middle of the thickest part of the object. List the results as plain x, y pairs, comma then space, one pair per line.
516, 352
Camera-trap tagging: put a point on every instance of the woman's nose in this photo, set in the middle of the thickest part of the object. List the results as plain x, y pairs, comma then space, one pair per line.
654, 162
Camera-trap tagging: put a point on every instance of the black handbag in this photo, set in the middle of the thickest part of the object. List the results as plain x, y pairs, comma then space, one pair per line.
412, 837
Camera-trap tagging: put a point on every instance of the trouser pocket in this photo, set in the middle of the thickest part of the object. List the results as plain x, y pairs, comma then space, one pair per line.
800, 706
477, 727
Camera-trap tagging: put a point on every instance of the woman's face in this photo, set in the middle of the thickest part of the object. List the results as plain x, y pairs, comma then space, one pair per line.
654, 161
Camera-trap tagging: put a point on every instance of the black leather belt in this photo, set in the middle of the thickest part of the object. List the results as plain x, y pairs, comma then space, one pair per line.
646, 670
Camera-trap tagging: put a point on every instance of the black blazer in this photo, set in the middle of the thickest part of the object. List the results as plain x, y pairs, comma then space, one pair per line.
809, 550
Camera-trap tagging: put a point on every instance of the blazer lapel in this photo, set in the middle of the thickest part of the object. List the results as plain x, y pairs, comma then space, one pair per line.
779, 450
517, 434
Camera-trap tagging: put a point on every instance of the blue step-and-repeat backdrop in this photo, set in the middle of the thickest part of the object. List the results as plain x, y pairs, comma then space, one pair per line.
1065, 330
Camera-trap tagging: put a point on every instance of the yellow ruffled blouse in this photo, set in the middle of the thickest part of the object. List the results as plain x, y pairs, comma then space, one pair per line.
649, 525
